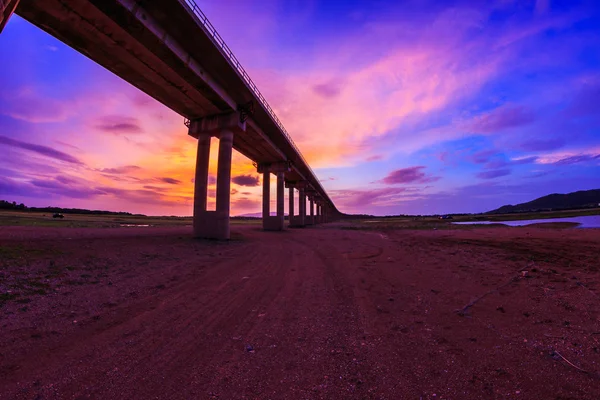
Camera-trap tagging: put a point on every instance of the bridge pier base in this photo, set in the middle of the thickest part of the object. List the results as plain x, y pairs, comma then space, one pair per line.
214, 224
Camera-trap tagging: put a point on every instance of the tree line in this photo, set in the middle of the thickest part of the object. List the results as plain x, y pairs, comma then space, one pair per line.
7, 205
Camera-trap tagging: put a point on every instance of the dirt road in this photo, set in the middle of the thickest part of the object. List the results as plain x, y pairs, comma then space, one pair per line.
319, 313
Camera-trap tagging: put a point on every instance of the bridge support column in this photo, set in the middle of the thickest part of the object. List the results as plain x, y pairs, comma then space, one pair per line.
7, 8
280, 198
297, 221
302, 207
311, 206
291, 205
214, 224
273, 223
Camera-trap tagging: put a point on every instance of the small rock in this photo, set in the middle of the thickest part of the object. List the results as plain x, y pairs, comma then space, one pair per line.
249, 348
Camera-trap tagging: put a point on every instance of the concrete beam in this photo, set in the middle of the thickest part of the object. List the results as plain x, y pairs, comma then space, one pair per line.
7, 8
213, 125
282, 166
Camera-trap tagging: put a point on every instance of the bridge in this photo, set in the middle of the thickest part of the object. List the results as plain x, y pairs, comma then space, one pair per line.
170, 50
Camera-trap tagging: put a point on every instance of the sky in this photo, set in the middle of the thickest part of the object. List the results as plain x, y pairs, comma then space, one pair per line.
400, 107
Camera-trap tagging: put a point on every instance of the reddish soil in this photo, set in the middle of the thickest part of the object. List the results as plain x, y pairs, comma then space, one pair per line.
318, 313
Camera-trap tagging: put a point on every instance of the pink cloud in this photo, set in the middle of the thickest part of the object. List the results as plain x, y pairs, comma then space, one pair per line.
408, 175
117, 124
501, 119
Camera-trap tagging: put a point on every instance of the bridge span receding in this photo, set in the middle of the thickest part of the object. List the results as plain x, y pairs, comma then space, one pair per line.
170, 51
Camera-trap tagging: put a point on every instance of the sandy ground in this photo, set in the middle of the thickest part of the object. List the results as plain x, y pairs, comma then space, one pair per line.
316, 313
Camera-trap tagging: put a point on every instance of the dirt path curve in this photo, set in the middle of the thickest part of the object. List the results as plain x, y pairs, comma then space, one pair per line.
317, 313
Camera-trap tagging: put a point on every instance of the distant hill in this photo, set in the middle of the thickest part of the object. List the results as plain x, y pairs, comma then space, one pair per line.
581, 199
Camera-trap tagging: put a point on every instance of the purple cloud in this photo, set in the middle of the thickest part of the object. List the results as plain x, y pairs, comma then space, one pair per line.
493, 174
117, 124
43, 150
246, 180
482, 157
28, 106
170, 181
154, 188
126, 169
542, 144
376, 157
577, 159
526, 160
361, 198
66, 190
328, 90
496, 164
501, 119
408, 175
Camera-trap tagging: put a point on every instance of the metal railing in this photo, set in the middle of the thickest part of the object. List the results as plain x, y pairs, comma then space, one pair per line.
234, 62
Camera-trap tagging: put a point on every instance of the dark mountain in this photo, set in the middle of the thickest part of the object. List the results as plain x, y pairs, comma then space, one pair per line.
581, 199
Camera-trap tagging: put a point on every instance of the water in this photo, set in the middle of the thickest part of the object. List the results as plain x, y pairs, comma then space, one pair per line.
134, 225
589, 221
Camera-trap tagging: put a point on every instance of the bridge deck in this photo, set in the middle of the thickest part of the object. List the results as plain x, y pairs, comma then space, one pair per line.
164, 51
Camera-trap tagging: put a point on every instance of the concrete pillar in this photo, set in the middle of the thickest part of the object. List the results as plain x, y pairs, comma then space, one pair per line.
224, 184
291, 206
312, 211
214, 224
7, 8
201, 181
280, 197
274, 223
266, 209
302, 207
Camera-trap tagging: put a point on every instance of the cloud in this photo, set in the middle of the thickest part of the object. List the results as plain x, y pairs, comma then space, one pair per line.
493, 174
39, 149
542, 144
408, 175
357, 199
577, 159
26, 105
246, 180
126, 169
117, 124
170, 181
501, 119
66, 189
376, 157
328, 90
14, 187
524, 160
484, 156
246, 203
567, 157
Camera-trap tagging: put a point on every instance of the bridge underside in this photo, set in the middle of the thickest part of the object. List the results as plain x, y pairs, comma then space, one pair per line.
160, 48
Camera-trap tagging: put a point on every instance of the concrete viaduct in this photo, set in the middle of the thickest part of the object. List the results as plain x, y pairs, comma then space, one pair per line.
169, 50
